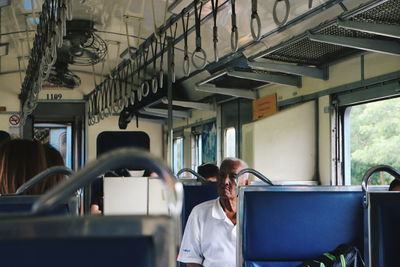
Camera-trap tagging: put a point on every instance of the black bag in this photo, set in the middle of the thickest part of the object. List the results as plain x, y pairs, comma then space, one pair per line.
342, 256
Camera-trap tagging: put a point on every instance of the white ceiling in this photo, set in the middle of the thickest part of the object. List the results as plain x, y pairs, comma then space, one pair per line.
108, 16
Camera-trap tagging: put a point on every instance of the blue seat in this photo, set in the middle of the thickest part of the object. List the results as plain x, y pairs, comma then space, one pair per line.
194, 194
87, 241
384, 221
14, 204
282, 226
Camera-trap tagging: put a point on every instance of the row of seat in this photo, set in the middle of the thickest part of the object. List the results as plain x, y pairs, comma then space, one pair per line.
284, 226
132, 240
278, 226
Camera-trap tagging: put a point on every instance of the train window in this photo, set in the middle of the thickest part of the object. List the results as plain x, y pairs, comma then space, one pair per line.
196, 151
30, 4
178, 154
373, 135
230, 142
57, 135
32, 20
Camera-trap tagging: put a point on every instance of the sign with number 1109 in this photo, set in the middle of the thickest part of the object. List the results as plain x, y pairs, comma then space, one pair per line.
54, 96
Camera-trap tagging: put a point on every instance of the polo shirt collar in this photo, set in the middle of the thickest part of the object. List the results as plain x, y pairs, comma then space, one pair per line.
217, 211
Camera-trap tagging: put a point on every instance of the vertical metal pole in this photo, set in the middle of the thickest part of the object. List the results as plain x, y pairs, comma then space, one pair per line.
317, 170
170, 47
219, 135
177, 222
362, 65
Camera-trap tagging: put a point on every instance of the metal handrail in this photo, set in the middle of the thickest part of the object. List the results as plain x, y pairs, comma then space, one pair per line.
255, 173
198, 176
115, 159
41, 176
368, 174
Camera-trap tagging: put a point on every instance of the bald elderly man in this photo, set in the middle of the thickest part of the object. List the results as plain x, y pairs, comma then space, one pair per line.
209, 239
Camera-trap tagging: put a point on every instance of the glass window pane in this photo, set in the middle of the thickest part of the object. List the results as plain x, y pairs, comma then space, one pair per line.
196, 151
230, 142
28, 4
57, 135
374, 139
177, 154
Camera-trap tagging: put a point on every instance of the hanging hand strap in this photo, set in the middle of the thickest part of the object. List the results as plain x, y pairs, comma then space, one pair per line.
214, 6
198, 50
154, 83
145, 88
256, 33
287, 10
185, 26
162, 48
173, 36
234, 31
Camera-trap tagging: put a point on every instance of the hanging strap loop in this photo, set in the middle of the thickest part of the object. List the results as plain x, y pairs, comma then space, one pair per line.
163, 43
198, 51
145, 87
287, 11
173, 36
154, 82
185, 26
214, 6
234, 31
255, 32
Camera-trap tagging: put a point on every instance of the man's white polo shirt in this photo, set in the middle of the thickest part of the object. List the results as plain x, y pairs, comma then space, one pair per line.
209, 238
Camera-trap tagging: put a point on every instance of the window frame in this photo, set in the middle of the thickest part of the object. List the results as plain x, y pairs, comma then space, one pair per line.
340, 125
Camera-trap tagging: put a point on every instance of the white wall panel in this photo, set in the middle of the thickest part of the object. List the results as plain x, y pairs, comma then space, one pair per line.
283, 146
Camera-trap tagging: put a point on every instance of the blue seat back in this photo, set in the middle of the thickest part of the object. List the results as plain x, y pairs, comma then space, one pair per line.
195, 194
85, 252
384, 221
10, 204
87, 241
284, 228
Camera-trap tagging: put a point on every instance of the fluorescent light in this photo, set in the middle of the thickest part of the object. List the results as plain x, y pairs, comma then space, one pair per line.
4, 3
3, 49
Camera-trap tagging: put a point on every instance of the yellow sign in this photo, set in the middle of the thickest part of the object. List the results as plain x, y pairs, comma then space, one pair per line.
264, 107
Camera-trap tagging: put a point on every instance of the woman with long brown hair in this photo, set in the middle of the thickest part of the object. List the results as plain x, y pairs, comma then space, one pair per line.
21, 160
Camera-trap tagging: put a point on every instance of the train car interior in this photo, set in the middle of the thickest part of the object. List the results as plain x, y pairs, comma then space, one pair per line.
144, 99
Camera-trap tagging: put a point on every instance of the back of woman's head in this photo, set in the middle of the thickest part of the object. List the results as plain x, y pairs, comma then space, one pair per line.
53, 156
20, 160
4, 136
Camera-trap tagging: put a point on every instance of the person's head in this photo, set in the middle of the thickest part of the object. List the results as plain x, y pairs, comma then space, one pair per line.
226, 182
4, 136
20, 160
53, 158
395, 185
209, 171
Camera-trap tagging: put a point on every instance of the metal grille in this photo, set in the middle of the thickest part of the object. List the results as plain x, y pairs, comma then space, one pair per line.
308, 52
238, 83
387, 13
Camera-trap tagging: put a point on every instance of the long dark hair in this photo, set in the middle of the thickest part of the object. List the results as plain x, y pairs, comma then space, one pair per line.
20, 160
53, 158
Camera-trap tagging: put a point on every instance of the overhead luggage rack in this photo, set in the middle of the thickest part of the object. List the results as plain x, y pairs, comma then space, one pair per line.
311, 48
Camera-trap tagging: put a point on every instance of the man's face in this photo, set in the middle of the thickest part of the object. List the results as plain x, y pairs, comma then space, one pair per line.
226, 181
